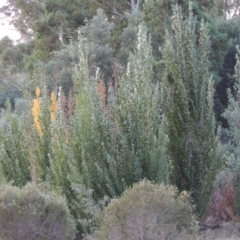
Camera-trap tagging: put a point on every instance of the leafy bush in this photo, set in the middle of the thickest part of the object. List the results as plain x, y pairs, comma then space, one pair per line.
148, 211
32, 213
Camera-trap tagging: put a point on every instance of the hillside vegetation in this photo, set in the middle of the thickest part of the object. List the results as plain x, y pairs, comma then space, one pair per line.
119, 120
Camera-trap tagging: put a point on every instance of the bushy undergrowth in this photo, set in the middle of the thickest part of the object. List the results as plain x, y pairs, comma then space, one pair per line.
32, 213
223, 207
108, 137
225, 201
148, 211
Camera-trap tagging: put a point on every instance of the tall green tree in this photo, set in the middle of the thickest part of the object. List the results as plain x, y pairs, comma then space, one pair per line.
118, 143
139, 118
188, 91
157, 14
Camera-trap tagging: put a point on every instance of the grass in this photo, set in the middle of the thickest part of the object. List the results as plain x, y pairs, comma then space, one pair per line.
226, 231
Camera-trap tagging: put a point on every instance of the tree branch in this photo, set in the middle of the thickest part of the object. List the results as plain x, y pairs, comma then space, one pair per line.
135, 6
109, 7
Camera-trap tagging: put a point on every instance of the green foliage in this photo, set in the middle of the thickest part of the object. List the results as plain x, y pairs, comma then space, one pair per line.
97, 37
188, 104
120, 127
59, 69
138, 120
84, 133
231, 29
48, 24
128, 36
34, 212
24, 19
157, 16
228, 9
104, 150
232, 151
98, 41
108, 147
14, 157
21, 106
148, 211
49, 17
42, 140
63, 174
123, 141
113, 8
13, 76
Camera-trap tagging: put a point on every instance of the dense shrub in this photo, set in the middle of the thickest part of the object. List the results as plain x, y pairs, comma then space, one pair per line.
32, 213
148, 211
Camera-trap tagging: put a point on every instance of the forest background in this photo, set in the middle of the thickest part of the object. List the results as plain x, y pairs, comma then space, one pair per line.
99, 95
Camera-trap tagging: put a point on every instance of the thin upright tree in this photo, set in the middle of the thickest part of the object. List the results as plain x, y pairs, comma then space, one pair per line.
188, 91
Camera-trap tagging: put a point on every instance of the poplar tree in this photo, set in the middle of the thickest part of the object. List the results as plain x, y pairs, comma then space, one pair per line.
119, 143
138, 119
188, 91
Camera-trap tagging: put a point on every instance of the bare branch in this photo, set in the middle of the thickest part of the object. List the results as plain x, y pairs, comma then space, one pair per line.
135, 6
112, 9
